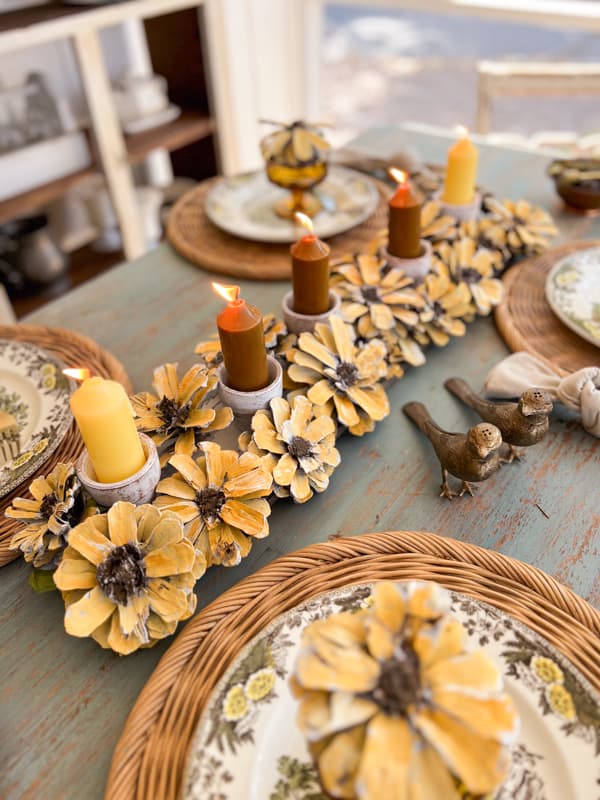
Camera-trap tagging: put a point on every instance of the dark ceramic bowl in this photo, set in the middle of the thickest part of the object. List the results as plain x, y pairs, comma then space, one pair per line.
572, 184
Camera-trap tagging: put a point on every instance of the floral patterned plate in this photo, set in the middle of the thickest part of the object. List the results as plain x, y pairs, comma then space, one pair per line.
247, 747
243, 206
573, 292
36, 393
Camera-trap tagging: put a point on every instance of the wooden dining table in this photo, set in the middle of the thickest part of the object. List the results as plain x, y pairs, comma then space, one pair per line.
64, 701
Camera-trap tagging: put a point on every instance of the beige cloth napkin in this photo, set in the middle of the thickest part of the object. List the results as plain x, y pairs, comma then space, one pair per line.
579, 391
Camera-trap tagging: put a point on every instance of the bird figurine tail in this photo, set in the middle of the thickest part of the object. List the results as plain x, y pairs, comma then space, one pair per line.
419, 415
463, 391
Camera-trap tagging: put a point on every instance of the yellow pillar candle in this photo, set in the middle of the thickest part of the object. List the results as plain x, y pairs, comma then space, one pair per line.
461, 171
105, 420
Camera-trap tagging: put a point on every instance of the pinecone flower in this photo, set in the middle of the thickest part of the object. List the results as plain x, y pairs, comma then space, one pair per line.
57, 506
392, 705
374, 297
473, 266
435, 223
402, 348
178, 416
220, 497
448, 304
297, 444
334, 368
518, 227
126, 577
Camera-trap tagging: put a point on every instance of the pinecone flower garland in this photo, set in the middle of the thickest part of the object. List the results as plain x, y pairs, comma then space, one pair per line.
334, 368
392, 705
448, 304
518, 226
474, 267
297, 444
178, 416
374, 297
57, 506
126, 577
220, 497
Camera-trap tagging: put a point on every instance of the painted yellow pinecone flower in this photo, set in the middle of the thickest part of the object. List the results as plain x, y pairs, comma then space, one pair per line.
518, 226
436, 224
392, 705
374, 297
448, 304
126, 577
177, 417
473, 267
220, 497
402, 348
334, 368
296, 442
57, 507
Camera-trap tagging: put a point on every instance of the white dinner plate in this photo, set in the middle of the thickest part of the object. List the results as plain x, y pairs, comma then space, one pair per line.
243, 206
251, 749
573, 292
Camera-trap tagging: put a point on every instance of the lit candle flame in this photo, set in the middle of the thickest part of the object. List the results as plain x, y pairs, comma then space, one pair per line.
461, 131
398, 175
229, 293
78, 374
304, 221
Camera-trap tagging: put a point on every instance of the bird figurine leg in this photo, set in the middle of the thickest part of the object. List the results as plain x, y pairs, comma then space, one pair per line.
466, 488
512, 455
445, 487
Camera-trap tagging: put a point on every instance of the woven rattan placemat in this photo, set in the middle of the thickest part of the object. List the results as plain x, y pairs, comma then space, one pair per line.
74, 350
526, 321
195, 237
150, 757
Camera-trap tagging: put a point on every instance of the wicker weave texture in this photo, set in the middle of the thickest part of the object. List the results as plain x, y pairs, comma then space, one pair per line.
195, 237
74, 350
150, 757
526, 321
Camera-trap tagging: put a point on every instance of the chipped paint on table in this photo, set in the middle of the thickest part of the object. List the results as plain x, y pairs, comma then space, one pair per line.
64, 701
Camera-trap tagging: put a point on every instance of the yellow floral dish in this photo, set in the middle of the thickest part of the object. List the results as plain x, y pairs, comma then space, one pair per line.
573, 293
34, 404
247, 745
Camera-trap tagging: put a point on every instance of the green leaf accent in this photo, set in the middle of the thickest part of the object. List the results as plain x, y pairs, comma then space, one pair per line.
41, 580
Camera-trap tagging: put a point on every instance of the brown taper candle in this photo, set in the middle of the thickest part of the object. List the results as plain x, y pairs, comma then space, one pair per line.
404, 238
310, 271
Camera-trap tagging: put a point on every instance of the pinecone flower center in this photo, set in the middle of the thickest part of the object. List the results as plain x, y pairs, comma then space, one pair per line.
172, 414
122, 574
399, 683
48, 505
347, 375
438, 309
300, 448
469, 275
210, 501
371, 294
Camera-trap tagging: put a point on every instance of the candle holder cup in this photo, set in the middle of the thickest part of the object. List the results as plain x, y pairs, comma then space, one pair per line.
466, 212
415, 268
245, 404
299, 323
137, 489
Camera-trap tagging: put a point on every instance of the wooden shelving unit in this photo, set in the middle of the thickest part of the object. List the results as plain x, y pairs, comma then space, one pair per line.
190, 127
22, 204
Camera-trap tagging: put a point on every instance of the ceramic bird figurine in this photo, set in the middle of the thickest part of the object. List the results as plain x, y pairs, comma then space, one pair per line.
521, 424
471, 456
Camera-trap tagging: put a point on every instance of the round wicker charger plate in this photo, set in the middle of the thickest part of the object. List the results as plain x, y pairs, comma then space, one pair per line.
74, 350
195, 237
526, 321
150, 756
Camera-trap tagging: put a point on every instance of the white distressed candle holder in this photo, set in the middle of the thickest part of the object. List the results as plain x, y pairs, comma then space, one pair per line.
415, 268
299, 323
463, 213
244, 404
137, 489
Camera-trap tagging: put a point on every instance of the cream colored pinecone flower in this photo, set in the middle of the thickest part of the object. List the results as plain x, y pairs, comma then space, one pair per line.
333, 368
474, 267
221, 499
518, 226
178, 417
374, 297
126, 577
392, 705
448, 304
57, 505
297, 444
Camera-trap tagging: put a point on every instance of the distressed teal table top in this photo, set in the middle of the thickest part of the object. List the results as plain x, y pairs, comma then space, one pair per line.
63, 701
